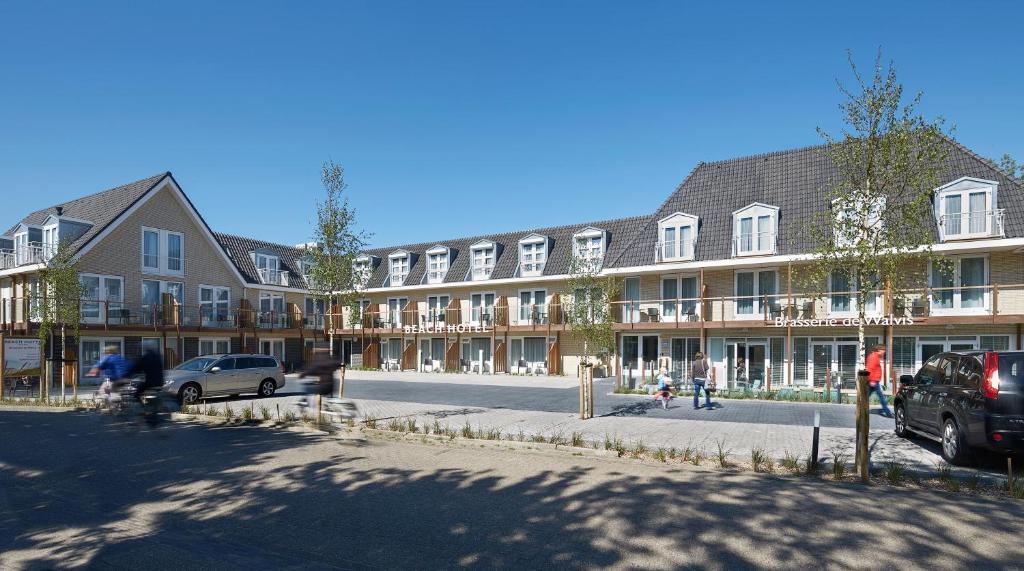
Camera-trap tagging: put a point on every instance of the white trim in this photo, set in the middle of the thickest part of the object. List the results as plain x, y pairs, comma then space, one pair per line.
589, 232
438, 249
957, 300
63, 218
214, 340
519, 302
533, 239
967, 179
398, 254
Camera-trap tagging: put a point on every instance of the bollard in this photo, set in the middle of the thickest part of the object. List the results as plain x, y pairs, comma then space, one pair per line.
1009, 474
812, 462
863, 424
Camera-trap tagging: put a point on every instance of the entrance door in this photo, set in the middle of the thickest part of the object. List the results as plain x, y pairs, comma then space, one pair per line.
683, 351
274, 347
822, 364
480, 354
748, 364
845, 366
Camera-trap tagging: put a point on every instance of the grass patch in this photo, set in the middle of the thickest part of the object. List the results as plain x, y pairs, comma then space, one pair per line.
576, 439
265, 413
289, 416
558, 439
894, 472
396, 425
538, 438
437, 427
410, 425
791, 462
661, 455
1017, 488
760, 461
467, 430
229, 413
972, 482
370, 422
838, 465
247, 413
723, 454
638, 450
698, 456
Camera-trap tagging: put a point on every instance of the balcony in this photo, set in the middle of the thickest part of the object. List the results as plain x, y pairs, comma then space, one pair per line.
756, 244
273, 277
968, 225
33, 253
674, 251
481, 272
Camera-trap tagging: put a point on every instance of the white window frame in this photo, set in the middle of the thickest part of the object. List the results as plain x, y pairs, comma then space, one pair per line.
438, 264
215, 341
583, 243
400, 304
677, 249
525, 318
958, 308
162, 267
402, 260
963, 188
488, 255
756, 212
758, 305
852, 312
436, 298
671, 303
101, 289
162, 289
274, 343
214, 302
533, 255
483, 306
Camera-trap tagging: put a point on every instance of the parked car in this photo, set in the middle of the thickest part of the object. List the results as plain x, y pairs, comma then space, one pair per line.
966, 400
215, 375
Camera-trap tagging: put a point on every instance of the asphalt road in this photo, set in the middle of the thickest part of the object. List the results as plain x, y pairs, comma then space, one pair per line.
78, 493
605, 404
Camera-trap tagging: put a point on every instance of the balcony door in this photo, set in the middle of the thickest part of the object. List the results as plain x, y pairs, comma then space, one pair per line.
532, 308
481, 307
631, 299
747, 364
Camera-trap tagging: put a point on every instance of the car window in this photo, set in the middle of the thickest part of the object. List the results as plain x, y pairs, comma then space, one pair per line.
268, 362
929, 371
246, 362
968, 374
226, 364
947, 366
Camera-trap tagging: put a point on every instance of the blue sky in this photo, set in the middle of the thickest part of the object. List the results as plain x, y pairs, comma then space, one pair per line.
459, 118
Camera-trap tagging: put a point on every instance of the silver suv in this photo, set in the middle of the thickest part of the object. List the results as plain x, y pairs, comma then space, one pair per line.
217, 375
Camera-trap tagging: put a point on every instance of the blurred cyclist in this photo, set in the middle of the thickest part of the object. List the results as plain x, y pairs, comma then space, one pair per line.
114, 368
151, 367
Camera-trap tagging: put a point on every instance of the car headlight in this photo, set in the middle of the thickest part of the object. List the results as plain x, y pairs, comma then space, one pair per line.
168, 382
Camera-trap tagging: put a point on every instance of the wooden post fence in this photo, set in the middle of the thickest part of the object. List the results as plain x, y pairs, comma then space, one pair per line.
863, 425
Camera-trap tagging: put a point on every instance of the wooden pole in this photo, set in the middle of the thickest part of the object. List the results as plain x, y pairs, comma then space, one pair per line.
863, 424
579, 374
341, 384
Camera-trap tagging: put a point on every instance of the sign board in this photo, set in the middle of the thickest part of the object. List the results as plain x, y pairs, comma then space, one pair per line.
357, 360
842, 322
441, 329
21, 357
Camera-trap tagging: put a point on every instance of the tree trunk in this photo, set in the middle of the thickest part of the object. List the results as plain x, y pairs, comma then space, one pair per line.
63, 366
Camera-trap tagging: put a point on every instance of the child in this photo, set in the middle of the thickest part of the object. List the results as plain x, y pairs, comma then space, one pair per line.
664, 384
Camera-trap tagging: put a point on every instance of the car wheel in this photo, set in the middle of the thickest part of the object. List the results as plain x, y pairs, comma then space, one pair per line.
267, 388
189, 394
901, 422
954, 446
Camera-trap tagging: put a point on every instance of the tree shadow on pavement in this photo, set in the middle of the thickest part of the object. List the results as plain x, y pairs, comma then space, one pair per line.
231, 498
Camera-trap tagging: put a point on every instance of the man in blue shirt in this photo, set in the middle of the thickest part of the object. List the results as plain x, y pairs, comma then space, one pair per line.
113, 366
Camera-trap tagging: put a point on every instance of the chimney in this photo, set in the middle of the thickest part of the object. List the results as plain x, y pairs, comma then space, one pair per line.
60, 211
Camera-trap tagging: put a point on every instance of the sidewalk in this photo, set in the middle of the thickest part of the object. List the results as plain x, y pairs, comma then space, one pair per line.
500, 380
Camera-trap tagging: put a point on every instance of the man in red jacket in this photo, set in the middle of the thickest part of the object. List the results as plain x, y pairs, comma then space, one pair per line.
874, 366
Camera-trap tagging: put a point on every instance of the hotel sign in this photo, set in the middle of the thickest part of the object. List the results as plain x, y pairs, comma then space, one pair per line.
440, 329
842, 322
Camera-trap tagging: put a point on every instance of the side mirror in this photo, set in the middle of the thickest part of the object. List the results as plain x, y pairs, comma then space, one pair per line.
215, 369
907, 379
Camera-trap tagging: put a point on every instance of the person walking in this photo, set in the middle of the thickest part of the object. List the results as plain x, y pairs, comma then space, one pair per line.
873, 363
699, 372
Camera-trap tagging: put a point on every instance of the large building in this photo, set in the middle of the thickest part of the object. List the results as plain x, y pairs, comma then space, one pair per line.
711, 269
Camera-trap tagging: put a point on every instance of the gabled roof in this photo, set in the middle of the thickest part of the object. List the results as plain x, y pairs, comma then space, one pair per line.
620, 232
239, 247
100, 209
797, 182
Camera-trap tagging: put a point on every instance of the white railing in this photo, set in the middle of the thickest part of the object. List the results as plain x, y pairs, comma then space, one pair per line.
33, 253
436, 276
273, 277
397, 279
531, 268
980, 223
674, 250
753, 244
482, 272
7, 259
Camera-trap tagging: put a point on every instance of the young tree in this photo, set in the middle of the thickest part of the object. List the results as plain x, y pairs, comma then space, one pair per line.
879, 231
333, 276
1010, 166
589, 317
61, 293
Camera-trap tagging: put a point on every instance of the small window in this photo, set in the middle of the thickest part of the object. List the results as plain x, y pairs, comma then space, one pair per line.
755, 230
482, 260
399, 269
532, 255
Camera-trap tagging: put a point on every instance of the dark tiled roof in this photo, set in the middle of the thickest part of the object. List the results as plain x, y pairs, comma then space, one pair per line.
797, 182
620, 233
100, 209
239, 247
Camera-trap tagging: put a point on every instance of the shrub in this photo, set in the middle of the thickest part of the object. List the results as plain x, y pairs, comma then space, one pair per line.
791, 462
289, 416
760, 461
638, 450
247, 413
437, 427
558, 439
660, 455
265, 413
698, 457
395, 425
894, 472
370, 422
577, 440
723, 454
838, 465
410, 425
228, 412
467, 430
538, 438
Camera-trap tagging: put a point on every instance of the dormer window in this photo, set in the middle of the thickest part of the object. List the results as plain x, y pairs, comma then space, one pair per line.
268, 266
482, 256
399, 267
533, 254
966, 208
588, 245
437, 264
51, 238
677, 235
362, 267
755, 230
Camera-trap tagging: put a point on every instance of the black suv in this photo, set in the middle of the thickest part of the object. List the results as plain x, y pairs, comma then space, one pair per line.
965, 399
